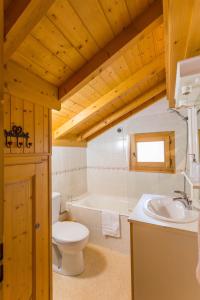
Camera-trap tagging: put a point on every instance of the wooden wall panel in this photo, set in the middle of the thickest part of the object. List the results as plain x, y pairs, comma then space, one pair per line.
7, 120
39, 128
29, 125
16, 119
33, 118
46, 130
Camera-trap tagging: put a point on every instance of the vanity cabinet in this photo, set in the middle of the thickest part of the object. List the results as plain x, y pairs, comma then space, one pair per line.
163, 263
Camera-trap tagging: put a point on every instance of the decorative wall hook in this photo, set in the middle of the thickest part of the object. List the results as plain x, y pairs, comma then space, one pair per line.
18, 133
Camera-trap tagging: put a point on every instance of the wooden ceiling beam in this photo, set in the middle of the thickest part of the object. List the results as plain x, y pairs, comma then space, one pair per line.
13, 12
69, 143
129, 114
141, 26
25, 85
22, 17
143, 74
181, 20
124, 111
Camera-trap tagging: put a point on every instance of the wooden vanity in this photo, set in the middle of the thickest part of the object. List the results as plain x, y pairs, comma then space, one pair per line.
163, 261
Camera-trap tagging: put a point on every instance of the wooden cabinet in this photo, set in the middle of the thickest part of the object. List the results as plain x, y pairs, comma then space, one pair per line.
27, 204
26, 240
163, 263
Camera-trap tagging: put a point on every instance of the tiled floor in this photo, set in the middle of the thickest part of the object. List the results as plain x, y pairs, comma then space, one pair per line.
106, 277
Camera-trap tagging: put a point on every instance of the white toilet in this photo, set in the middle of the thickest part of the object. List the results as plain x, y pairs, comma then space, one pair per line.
69, 239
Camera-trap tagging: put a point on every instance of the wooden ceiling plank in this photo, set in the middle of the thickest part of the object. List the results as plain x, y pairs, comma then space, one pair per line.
110, 77
63, 15
136, 7
133, 58
177, 19
98, 26
40, 55
158, 35
147, 48
32, 14
144, 24
126, 109
81, 100
25, 85
117, 14
35, 68
147, 71
99, 85
47, 33
121, 68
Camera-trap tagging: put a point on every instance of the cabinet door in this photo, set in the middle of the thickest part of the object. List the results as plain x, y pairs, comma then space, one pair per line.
26, 234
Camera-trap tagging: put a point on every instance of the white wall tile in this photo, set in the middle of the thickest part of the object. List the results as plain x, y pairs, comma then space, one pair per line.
110, 150
69, 172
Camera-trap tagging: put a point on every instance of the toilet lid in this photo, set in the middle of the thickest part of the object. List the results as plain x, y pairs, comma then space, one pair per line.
69, 232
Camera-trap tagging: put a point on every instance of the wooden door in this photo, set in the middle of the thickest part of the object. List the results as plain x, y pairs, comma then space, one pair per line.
26, 238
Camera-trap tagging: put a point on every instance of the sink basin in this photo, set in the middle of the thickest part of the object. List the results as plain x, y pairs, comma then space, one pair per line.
165, 209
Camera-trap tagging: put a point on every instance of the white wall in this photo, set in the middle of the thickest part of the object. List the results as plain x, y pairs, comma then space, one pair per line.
108, 156
69, 174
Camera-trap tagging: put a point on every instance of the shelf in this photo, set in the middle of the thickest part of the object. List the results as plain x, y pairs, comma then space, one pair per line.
194, 183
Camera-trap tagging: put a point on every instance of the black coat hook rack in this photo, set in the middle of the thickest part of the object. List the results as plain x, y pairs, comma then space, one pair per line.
18, 133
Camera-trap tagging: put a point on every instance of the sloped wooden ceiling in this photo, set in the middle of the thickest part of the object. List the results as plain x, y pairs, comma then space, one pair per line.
106, 58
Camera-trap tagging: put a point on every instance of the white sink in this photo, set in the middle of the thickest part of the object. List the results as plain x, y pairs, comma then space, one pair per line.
166, 209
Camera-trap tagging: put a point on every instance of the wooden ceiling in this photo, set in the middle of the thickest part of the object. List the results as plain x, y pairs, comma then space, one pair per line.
106, 58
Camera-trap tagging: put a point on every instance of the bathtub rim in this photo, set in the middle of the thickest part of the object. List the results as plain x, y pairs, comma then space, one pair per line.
76, 203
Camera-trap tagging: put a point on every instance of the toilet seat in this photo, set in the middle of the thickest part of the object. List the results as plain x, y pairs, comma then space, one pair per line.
68, 231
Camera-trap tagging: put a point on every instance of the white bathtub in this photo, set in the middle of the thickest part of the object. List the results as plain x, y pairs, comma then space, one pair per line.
86, 209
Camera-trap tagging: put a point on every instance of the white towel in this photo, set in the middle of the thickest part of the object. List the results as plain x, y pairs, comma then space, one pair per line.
198, 266
110, 223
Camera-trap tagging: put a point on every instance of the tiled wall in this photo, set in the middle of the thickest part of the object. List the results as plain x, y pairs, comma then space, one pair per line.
69, 174
102, 168
108, 156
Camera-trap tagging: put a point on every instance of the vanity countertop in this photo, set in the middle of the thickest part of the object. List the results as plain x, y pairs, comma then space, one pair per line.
139, 215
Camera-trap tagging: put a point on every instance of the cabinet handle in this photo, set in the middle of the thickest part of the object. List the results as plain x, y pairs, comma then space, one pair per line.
37, 226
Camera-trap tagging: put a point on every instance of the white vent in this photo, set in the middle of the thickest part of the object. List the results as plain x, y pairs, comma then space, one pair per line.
187, 91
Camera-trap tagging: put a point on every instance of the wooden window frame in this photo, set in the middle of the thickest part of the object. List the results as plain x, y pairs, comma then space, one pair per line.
160, 167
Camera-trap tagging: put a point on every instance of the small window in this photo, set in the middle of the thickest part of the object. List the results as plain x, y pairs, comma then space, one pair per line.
153, 152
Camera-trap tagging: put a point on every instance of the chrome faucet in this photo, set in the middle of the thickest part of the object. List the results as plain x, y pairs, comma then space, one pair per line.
183, 198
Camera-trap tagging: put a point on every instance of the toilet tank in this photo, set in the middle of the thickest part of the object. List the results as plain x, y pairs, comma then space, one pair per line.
56, 201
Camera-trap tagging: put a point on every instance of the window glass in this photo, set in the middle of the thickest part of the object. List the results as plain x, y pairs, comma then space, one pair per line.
151, 151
